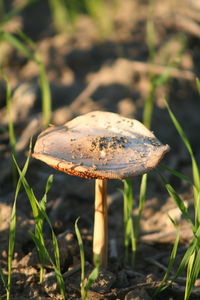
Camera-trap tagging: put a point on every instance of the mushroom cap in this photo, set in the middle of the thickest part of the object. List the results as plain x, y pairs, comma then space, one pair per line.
100, 145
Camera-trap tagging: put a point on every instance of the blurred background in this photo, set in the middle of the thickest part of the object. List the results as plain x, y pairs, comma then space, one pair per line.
63, 58
60, 59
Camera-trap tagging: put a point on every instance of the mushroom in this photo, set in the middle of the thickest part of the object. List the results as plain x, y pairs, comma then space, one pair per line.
100, 145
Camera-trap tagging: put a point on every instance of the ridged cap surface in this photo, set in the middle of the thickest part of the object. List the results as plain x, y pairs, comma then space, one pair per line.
100, 145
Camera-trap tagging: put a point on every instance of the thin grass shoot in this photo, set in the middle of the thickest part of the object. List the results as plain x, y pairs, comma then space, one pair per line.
11, 131
12, 231
142, 197
163, 285
7, 16
98, 10
38, 209
131, 228
195, 169
82, 256
129, 238
198, 85
86, 283
191, 258
60, 15
31, 54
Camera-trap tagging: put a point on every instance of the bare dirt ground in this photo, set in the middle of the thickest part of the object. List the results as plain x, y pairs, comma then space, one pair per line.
87, 72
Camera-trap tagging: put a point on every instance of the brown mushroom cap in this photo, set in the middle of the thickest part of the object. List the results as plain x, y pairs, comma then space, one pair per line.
100, 145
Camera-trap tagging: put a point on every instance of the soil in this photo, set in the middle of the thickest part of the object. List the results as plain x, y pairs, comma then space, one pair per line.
88, 71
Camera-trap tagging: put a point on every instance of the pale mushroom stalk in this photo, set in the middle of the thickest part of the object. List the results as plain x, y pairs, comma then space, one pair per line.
100, 240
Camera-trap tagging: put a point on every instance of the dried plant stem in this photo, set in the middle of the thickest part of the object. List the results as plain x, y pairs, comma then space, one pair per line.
100, 240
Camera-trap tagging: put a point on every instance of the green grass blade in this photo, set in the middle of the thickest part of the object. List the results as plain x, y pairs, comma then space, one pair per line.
29, 192
2, 9
85, 283
46, 95
39, 213
151, 42
39, 239
177, 174
44, 198
15, 11
49, 184
189, 280
148, 106
60, 15
27, 40
56, 265
191, 249
196, 175
97, 9
185, 259
172, 258
92, 277
12, 231
129, 238
11, 131
151, 33
44, 84
179, 202
197, 210
195, 169
11, 245
31, 55
198, 85
17, 44
155, 81
3, 278
82, 256
143, 188
195, 269
179, 129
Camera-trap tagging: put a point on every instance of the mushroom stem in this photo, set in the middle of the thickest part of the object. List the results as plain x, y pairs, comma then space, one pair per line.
100, 239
